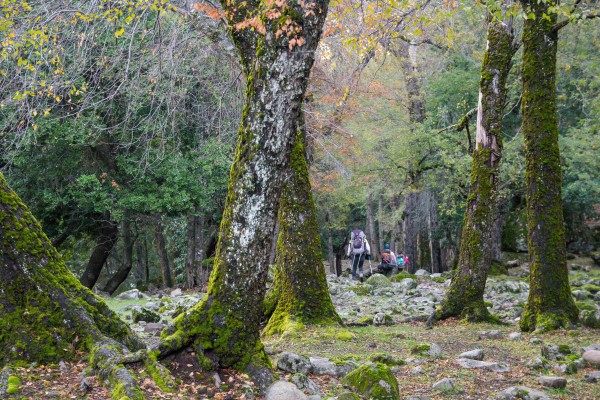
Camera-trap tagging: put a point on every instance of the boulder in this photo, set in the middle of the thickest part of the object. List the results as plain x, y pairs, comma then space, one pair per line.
305, 384
493, 334
291, 362
143, 314
282, 390
522, 393
474, 364
379, 281
594, 346
592, 357
132, 294
553, 353
590, 319
176, 292
422, 272
556, 382
382, 319
515, 336
593, 377
322, 366
445, 384
408, 283
374, 381
476, 354
154, 327
537, 363
435, 351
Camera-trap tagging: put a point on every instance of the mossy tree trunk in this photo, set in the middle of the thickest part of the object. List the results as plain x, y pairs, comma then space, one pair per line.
224, 329
47, 314
163, 255
550, 304
465, 295
126, 264
301, 287
107, 236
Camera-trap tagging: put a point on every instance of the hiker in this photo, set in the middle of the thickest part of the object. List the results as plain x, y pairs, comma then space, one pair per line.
388, 260
358, 250
401, 262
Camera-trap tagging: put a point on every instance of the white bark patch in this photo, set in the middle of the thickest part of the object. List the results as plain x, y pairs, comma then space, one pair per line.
481, 136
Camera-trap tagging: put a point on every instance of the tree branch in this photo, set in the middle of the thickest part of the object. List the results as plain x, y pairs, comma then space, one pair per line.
562, 24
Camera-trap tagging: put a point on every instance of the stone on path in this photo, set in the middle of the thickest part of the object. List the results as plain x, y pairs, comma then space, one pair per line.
515, 336
305, 384
592, 357
476, 354
493, 334
553, 381
474, 364
282, 390
291, 362
444, 384
522, 393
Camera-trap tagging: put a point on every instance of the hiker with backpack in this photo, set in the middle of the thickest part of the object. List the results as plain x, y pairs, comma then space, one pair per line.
358, 250
388, 260
401, 263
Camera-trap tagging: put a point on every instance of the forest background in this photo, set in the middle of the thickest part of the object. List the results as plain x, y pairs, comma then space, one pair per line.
118, 127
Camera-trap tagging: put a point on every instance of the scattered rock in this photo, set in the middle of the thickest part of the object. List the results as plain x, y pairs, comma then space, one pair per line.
378, 281
143, 314
536, 340
537, 363
85, 385
408, 283
176, 292
553, 381
283, 390
476, 354
387, 359
522, 393
592, 357
515, 336
348, 396
382, 319
375, 381
417, 370
54, 394
445, 384
421, 272
591, 347
132, 294
305, 384
322, 366
4, 375
62, 367
154, 327
553, 353
493, 334
593, 377
291, 362
492, 366
435, 351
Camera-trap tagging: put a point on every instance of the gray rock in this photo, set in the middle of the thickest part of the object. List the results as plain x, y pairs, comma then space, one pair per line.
322, 366
4, 375
176, 292
139, 314
592, 357
492, 366
154, 327
435, 351
553, 381
314, 397
515, 336
132, 294
291, 362
522, 393
535, 340
537, 363
593, 377
378, 281
493, 334
417, 370
421, 272
553, 353
85, 385
305, 384
53, 394
436, 275
476, 354
152, 306
282, 390
590, 347
444, 384
382, 319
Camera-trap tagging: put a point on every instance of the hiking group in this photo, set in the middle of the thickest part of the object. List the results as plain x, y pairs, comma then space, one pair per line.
359, 250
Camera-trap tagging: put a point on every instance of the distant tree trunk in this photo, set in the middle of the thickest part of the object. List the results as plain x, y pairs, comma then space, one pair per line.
465, 295
434, 243
127, 263
190, 259
146, 261
406, 54
225, 326
496, 239
380, 221
550, 304
301, 285
371, 234
200, 277
108, 233
139, 265
161, 246
47, 315
330, 254
410, 229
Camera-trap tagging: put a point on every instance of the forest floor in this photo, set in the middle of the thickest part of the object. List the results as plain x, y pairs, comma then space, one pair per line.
356, 344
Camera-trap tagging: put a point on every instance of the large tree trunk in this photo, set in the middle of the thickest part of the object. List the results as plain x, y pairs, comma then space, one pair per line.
407, 55
330, 254
127, 263
190, 259
550, 304
47, 315
371, 232
225, 326
380, 221
410, 229
139, 264
108, 233
301, 285
163, 255
434, 242
465, 295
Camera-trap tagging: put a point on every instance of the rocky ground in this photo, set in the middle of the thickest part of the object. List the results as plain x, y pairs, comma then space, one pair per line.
383, 352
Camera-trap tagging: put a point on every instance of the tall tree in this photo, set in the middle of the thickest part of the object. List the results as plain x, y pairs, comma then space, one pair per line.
550, 304
465, 295
300, 285
67, 316
276, 45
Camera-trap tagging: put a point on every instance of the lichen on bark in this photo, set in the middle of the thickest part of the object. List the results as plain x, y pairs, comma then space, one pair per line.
550, 304
465, 295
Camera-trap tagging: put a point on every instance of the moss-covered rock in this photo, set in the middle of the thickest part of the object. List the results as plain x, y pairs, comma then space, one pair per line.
401, 275
374, 381
590, 318
143, 314
421, 349
378, 281
387, 359
364, 320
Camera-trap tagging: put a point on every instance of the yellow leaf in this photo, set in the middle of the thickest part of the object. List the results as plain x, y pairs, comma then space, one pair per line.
35, 127
119, 32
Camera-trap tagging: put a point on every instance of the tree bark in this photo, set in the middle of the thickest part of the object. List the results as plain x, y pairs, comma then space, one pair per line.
330, 254
410, 229
372, 236
434, 243
190, 259
406, 54
123, 272
139, 265
225, 325
108, 234
465, 295
303, 296
67, 317
550, 304
380, 221
161, 246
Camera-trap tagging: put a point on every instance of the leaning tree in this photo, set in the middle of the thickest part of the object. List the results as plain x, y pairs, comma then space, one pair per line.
276, 43
465, 295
